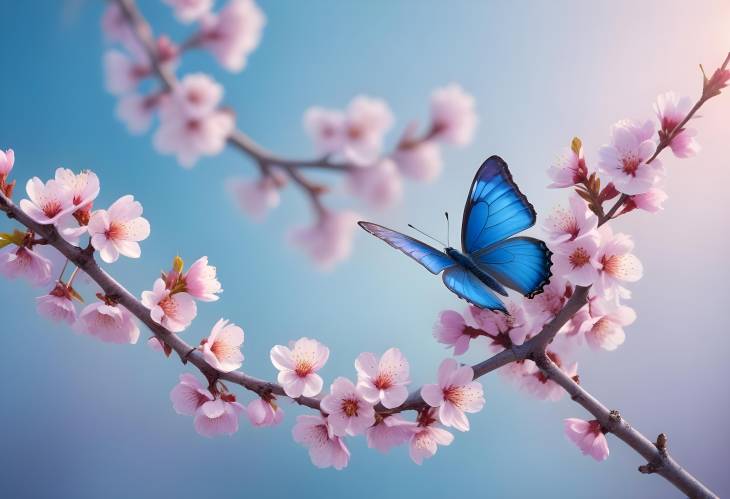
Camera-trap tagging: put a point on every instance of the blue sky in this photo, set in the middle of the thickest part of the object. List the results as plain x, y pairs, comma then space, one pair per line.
84, 419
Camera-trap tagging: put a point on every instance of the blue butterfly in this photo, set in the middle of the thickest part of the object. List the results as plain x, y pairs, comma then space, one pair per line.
491, 259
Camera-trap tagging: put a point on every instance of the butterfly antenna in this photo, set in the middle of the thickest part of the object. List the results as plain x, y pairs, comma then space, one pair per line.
427, 235
448, 229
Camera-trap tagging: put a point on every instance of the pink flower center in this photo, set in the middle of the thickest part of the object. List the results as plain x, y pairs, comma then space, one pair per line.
194, 97
611, 264
354, 132
630, 164
303, 368
192, 125
221, 350
383, 381
52, 208
350, 406
454, 394
168, 306
115, 231
579, 258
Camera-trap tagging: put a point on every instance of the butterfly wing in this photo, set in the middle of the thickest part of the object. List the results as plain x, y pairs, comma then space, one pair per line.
431, 258
520, 263
468, 287
495, 208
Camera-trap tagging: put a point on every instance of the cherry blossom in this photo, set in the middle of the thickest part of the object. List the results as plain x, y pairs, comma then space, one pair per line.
606, 329
201, 282
189, 395
21, 261
570, 168
256, 197
388, 432
263, 413
547, 304
325, 449
588, 436
671, 110
233, 33
452, 330
567, 225
108, 322
7, 160
123, 73
383, 380
348, 411
116, 231
624, 160
115, 26
378, 184
188, 11
326, 127
453, 118
418, 160
48, 202
298, 365
136, 111
367, 119
455, 394
57, 305
173, 311
617, 264
539, 385
329, 240
427, 437
198, 95
503, 330
218, 416
651, 201
84, 187
222, 348
577, 260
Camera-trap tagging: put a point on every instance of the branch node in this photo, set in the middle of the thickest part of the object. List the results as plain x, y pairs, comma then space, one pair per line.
661, 443
614, 416
648, 468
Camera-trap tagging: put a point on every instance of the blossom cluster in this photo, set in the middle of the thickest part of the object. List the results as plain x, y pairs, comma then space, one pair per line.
193, 122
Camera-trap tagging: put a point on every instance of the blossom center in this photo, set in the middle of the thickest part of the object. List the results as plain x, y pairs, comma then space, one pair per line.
629, 165
383, 381
303, 368
168, 306
221, 350
453, 394
354, 132
52, 208
350, 407
579, 258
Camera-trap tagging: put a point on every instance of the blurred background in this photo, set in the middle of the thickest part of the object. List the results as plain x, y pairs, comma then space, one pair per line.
83, 419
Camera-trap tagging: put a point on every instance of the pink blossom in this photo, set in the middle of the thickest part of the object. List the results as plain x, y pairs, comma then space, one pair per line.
378, 184
57, 305
136, 112
383, 380
671, 110
123, 73
329, 240
325, 449
651, 201
117, 231
427, 437
326, 127
256, 197
233, 33
201, 282
576, 260
455, 394
7, 160
503, 330
263, 413
606, 330
108, 322
198, 95
567, 225
189, 395
542, 387
218, 416
625, 159
367, 119
83, 186
547, 304
420, 160
188, 11
588, 436
24, 262
173, 311
453, 118
222, 348
189, 137
115, 26
298, 365
48, 202
389, 432
348, 411
617, 264
452, 330
569, 169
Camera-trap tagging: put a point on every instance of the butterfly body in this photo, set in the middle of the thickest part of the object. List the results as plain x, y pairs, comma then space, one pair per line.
490, 260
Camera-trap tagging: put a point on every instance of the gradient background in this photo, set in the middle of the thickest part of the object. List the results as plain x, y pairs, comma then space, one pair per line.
82, 419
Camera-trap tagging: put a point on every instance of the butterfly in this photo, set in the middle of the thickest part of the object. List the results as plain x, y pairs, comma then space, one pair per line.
490, 259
